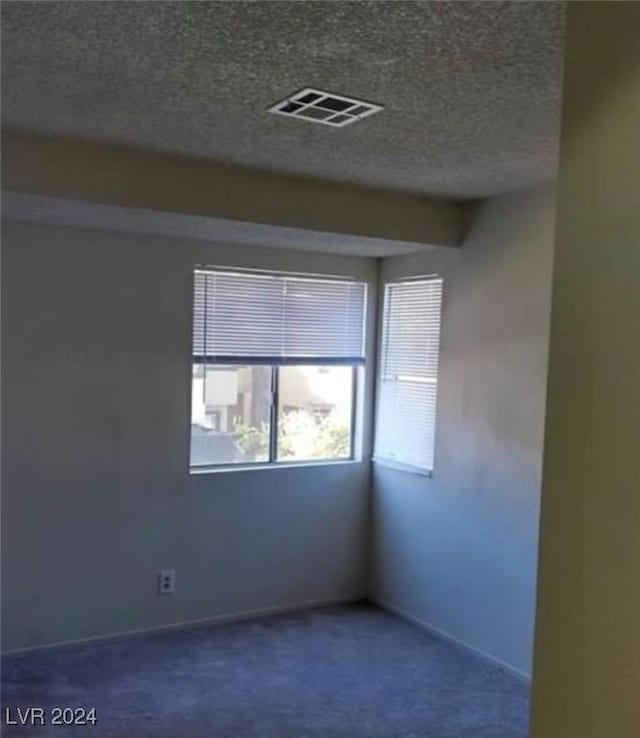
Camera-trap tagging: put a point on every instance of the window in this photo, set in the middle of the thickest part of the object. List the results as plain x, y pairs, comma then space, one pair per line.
408, 373
276, 362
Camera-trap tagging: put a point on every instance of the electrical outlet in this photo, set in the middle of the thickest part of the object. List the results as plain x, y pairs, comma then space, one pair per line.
167, 581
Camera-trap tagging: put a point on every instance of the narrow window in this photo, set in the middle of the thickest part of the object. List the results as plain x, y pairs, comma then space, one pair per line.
276, 364
408, 374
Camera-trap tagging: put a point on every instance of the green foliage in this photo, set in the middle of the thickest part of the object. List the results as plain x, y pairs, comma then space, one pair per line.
253, 442
301, 435
333, 439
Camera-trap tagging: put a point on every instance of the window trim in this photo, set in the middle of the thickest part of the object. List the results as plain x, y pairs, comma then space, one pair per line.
203, 469
420, 471
273, 462
279, 360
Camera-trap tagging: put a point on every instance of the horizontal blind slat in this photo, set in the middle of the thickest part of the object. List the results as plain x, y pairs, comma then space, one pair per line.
256, 315
408, 372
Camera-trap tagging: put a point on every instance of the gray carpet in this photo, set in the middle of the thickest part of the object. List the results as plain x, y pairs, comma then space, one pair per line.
339, 672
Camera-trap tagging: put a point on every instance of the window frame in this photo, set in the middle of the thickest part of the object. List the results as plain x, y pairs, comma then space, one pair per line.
273, 461
376, 458
357, 365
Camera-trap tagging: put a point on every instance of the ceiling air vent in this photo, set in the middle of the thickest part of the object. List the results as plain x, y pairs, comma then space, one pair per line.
324, 107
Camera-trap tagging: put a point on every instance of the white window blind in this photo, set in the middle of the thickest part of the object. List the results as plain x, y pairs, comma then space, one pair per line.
408, 373
277, 317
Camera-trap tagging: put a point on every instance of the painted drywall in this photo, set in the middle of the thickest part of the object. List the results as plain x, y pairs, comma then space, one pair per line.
587, 657
96, 494
57, 211
457, 551
117, 175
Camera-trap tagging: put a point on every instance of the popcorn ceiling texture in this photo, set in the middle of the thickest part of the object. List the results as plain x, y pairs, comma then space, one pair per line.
471, 89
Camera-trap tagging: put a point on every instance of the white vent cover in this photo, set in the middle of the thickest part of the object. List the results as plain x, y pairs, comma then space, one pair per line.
324, 107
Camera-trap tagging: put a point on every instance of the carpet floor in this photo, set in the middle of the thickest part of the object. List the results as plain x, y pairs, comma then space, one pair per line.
339, 672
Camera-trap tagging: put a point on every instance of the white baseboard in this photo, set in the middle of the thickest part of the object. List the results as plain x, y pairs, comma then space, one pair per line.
276, 610
522, 676
186, 624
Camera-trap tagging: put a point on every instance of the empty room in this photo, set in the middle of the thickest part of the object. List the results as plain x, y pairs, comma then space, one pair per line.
320, 369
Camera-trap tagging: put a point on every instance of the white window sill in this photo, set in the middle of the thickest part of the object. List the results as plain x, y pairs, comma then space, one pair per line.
399, 466
225, 469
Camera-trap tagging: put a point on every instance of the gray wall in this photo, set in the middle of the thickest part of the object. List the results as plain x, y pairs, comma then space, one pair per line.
458, 551
96, 491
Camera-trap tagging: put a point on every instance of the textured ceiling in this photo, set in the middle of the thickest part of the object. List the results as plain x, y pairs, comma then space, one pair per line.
471, 89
